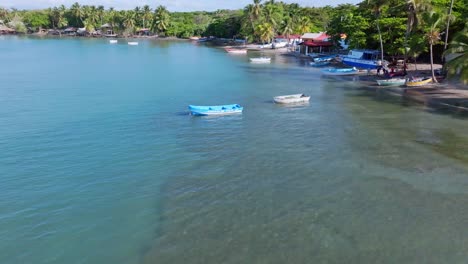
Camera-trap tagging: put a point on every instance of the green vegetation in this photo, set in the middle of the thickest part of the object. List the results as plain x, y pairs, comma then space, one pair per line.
398, 28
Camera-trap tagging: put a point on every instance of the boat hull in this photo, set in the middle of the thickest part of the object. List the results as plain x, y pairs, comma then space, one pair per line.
419, 83
237, 51
359, 63
339, 72
260, 60
391, 82
215, 110
133, 43
291, 99
319, 64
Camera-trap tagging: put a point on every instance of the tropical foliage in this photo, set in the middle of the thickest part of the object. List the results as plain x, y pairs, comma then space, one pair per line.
397, 28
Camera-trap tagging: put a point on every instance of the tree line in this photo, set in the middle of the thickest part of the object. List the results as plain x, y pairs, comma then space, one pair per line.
406, 28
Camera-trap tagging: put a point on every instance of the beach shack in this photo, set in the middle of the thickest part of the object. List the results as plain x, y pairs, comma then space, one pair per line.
315, 43
291, 40
108, 30
144, 32
70, 31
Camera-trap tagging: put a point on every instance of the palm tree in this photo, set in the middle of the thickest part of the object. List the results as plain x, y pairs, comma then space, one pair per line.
161, 19
129, 21
458, 49
303, 25
376, 8
146, 14
432, 19
269, 10
77, 12
257, 9
288, 27
449, 17
415, 8
137, 11
100, 14
265, 32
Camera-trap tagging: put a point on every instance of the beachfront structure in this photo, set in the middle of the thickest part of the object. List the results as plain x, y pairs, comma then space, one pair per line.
292, 39
70, 31
315, 43
108, 30
144, 32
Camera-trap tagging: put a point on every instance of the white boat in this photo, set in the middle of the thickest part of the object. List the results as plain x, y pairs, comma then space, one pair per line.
113, 41
291, 99
260, 60
133, 43
236, 51
391, 82
340, 71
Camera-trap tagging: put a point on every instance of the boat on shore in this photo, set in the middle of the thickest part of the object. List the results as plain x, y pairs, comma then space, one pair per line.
201, 110
236, 51
340, 71
319, 63
291, 99
365, 59
113, 41
132, 43
260, 60
418, 82
391, 82
324, 59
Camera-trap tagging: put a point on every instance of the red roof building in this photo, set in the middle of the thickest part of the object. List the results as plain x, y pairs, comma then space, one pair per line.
315, 43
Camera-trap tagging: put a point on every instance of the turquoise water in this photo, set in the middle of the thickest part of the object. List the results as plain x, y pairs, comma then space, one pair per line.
101, 162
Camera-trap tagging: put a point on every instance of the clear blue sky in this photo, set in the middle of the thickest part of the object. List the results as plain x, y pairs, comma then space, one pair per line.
172, 5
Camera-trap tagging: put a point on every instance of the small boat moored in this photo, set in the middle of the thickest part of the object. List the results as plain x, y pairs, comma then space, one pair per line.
236, 51
391, 82
340, 71
113, 41
291, 99
418, 82
133, 43
260, 60
319, 63
324, 58
215, 109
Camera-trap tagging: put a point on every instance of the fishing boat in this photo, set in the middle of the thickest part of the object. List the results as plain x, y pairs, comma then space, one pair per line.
319, 63
260, 60
215, 109
365, 59
291, 99
236, 51
418, 82
113, 41
324, 58
391, 82
133, 43
340, 71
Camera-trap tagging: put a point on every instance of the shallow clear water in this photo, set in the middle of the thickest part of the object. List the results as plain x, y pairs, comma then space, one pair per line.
101, 162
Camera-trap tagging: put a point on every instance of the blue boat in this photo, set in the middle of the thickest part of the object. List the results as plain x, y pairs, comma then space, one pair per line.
215, 109
319, 64
324, 58
340, 71
364, 59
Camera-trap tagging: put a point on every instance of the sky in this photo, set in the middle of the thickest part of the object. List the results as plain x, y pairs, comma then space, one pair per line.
171, 5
